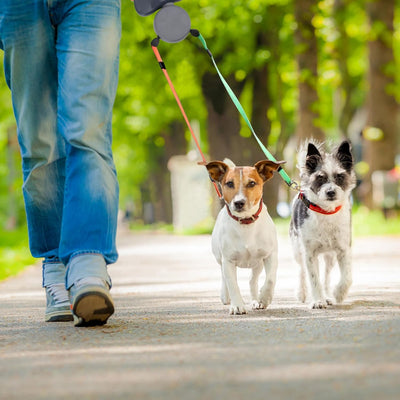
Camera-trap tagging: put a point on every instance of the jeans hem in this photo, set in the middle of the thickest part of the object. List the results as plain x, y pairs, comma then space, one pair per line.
83, 252
91, 263
53, 272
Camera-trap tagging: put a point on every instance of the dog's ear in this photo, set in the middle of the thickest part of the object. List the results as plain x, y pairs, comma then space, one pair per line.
266, 168
344, 155
313, 157
217, 170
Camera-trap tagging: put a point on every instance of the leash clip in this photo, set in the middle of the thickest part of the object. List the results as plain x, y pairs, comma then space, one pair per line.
294, 185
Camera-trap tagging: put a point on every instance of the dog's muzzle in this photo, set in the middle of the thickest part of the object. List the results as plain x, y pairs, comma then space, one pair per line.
330, 194
239, 205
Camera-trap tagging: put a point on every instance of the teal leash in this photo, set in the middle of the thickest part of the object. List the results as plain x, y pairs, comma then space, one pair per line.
292, 184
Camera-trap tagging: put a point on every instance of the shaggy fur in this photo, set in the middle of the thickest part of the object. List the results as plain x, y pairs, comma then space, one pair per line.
326, 179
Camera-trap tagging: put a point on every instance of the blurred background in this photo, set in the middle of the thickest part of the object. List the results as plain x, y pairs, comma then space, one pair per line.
325, 69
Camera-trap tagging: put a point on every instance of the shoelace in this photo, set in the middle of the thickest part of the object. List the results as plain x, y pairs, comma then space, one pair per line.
58, 292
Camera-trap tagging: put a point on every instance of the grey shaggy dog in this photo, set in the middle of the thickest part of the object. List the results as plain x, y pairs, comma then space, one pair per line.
321, 220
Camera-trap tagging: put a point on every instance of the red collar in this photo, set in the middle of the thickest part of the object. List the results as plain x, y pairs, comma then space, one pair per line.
316, 208
246, 221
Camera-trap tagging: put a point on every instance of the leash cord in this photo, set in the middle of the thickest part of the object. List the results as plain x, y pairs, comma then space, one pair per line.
194, 32
154, 45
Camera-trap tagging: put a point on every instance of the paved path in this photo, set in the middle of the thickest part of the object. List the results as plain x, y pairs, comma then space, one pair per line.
171, 338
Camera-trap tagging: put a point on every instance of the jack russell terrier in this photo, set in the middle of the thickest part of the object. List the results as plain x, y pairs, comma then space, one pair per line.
321, 220
244, 234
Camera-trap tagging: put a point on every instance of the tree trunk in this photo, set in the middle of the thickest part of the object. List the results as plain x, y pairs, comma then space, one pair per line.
349, 83
175, 144
223, 122
382, 109
261, 100
262, 126
307, 60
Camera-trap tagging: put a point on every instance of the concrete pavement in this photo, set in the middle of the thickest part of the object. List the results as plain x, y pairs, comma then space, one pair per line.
171, 338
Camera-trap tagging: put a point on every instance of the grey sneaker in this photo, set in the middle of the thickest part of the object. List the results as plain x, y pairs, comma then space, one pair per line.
91, 302
58, 307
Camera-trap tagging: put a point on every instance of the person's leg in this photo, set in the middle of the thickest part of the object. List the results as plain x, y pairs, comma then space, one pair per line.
30, 63
88, 37
87, 50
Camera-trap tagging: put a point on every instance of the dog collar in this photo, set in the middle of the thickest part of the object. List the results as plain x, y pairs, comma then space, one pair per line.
316, 208
246, 221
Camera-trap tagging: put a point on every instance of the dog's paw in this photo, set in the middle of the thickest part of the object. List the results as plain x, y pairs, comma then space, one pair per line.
237, 310
329, 302
258, 305
320, 304
340, 293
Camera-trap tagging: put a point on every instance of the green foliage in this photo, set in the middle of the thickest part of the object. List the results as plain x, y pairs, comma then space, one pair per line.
364, 223
373, 223
14, 252
145, 108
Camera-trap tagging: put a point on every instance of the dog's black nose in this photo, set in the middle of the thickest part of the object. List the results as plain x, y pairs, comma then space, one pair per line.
239, 205
331, 194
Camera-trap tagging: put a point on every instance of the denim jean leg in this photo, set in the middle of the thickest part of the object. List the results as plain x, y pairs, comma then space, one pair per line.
30, 62
87, 50
53, 273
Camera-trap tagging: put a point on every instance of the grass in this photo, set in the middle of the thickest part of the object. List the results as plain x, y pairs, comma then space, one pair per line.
364, 223
14, 252
152, 228
373, 223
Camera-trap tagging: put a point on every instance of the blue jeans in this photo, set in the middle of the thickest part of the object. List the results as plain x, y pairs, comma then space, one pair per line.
61, 64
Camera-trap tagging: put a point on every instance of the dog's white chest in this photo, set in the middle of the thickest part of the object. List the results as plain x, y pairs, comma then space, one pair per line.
325, 234
245, 255
246, 246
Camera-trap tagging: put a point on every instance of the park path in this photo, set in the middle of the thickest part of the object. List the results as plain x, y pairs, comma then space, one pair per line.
171, 338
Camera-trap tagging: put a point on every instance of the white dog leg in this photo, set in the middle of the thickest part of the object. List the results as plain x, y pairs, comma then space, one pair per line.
329, 263
342, 288
267, 291
224, 291
255, 273
302, 289
319, 300
230, 276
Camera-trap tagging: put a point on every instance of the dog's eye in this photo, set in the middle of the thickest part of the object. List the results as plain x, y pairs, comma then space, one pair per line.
321, 179
230, 184
339, 179
251, 184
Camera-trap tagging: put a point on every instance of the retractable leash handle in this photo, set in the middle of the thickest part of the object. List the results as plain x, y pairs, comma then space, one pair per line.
292, 184
148, 7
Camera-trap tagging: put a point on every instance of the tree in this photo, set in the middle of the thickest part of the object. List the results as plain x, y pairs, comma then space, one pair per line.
381, 134
349, 51
307, 59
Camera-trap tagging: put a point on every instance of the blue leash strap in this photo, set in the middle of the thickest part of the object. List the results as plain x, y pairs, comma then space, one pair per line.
236, 101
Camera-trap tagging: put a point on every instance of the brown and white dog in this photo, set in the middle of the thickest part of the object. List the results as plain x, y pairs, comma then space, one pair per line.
244, 234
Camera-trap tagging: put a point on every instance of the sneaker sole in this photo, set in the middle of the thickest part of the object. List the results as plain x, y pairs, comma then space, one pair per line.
92, 306
59, 316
